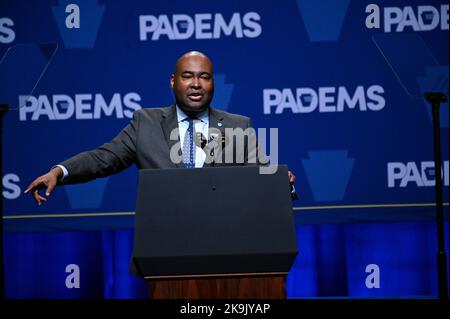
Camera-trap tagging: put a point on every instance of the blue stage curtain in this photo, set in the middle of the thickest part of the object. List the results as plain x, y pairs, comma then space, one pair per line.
332, 262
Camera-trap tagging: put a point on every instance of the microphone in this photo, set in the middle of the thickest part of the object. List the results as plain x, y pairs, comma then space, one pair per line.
208, 149
215, 143
200, 140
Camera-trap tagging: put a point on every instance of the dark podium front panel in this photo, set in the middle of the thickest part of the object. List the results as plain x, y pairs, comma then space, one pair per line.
213, 221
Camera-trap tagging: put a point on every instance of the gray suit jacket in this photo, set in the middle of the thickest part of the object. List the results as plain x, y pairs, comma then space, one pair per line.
145, 142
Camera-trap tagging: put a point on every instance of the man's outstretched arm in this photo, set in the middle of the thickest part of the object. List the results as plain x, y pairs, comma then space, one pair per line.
108, 159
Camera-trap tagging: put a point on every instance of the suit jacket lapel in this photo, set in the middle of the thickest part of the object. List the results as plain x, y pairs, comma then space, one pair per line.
169, 122
216, 121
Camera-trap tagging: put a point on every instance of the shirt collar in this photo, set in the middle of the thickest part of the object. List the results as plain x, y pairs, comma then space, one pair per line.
203, 116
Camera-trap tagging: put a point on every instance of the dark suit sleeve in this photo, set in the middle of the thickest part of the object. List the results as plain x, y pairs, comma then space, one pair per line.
254, 155
108, 159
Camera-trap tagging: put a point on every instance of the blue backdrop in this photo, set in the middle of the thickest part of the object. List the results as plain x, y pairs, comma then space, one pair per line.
341, 80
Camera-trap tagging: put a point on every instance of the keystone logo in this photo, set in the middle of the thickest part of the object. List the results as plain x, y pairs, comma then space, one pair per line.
328, 173
436, 80
78, 22
323, 19
86, 196
222, 92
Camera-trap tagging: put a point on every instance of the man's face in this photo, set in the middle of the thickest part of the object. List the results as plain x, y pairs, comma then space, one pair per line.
193, 83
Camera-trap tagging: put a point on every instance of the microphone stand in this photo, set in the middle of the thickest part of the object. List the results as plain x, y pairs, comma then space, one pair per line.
435, 99
3, 110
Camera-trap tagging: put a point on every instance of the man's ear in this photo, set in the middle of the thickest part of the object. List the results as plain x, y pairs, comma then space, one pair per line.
172, 77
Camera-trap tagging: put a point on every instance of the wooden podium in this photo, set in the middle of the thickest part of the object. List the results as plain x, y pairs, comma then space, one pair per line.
214, 233
248, 286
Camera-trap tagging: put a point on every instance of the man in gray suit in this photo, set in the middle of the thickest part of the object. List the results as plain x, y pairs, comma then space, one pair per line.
148, 140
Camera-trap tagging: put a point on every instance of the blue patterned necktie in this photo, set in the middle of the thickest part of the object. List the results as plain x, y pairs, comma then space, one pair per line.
188, 145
